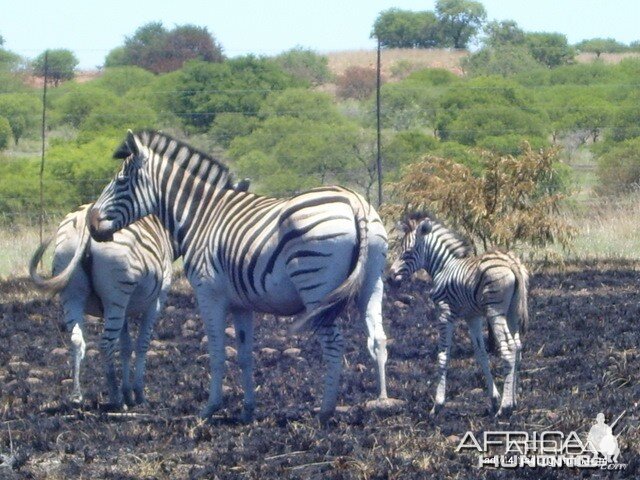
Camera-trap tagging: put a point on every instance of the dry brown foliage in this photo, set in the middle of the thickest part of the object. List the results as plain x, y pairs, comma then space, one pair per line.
513, 201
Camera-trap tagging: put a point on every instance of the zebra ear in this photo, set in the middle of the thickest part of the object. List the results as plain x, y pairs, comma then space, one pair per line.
243, 185
131, 146
401, 227
425, 227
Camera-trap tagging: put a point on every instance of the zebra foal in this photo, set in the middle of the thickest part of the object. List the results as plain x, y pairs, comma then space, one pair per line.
126, 277
492, 285
309, 254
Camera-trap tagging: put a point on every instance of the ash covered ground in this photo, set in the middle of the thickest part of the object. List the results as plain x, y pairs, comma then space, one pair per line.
581, 357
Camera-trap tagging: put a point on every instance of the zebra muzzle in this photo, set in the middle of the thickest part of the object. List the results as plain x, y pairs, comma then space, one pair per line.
98, 228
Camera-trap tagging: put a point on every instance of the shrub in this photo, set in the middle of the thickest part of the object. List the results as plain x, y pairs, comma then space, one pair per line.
5, 133
619, 168
514, 201
305, 64
357, 82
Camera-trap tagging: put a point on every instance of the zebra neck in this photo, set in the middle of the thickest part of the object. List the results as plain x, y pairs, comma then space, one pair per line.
185, 202
438, 256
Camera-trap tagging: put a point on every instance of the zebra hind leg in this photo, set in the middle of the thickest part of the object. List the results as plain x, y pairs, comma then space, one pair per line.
332, 343
125, 362
370, 306
142, 347
508, 352
73, 302
243, 322
114, 322
477, 339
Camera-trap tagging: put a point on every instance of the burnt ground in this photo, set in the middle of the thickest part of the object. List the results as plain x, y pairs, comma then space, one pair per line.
581, 357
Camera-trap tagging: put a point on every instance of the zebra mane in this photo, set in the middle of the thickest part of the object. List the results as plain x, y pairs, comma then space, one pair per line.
457, 244
160, 142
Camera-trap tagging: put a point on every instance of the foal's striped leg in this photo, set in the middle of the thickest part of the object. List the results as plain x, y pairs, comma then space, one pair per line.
445, 333
475, 328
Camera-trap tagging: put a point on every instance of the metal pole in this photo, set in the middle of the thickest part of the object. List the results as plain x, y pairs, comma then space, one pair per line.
379, 152
44, 118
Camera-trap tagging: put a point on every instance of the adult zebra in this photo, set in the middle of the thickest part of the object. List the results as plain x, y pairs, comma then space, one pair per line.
126, 277
492, 285
242, 253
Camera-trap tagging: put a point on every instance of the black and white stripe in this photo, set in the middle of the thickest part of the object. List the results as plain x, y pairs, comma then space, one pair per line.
492, 285
127, 277
243, 253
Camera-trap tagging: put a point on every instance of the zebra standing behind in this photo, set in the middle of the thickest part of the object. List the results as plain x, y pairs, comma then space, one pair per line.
243, 253
128, 276
492, 285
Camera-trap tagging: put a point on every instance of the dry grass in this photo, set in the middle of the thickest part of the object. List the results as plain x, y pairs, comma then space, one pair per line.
17, 244
410, 59
609, 58
607, 228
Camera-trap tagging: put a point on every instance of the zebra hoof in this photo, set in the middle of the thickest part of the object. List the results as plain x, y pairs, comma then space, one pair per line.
128, 398
247, 414
76, 398
495, 403
139, 397
324, 417
505, 411
208, 411
436, 409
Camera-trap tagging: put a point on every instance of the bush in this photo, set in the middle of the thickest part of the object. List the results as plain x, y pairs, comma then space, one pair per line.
619, 168
514, 201
5, 133
357, 83
305, 64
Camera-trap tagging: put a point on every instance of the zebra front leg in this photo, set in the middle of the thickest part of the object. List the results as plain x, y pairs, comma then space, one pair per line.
114, 322
507, 346
243, 322
125, 363
475, 329
445, 333
332, 343
142, 347
371, 309
213, 312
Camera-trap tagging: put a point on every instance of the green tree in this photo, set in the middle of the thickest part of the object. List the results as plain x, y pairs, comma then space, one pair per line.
79, 101
22, 110
305, 64
303, 140
121, 80
626, 121
60, 65
460, 20
505, 60
488, 107
619, 168
600, 46
550, 49
5, 133
159, 50
506, 32
396, 28
200, 91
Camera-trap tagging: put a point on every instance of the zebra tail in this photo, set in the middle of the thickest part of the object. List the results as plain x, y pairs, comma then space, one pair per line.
55, 284
519, 303
335, 302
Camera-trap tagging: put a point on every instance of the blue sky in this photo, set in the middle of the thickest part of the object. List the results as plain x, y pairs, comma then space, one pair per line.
91, 28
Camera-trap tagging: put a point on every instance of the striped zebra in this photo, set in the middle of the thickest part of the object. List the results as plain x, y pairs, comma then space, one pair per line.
245, 253
126, 277
492, 285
